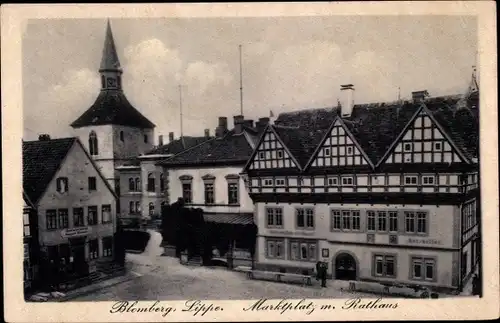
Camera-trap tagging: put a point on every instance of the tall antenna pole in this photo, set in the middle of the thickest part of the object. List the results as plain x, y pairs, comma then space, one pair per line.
241, 85
180, 108
399, 93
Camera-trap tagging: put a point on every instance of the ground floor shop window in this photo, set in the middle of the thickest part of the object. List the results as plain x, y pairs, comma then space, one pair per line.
384, 266
107, 246
423, 268
93, 249
303, 250
275, 248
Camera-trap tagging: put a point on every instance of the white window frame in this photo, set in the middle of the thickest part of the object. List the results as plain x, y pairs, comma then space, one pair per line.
427, 177
327, 152
279, 182
408, 143
347, 178
280, 152
262, 155
334, 179
268, 182
434, 148
410, 176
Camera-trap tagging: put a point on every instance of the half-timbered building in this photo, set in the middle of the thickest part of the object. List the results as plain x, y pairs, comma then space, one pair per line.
385, 192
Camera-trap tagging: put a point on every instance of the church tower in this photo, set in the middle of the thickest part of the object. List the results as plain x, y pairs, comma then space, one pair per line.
112, 130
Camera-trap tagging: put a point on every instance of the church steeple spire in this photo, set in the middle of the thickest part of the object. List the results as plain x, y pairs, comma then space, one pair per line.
110, 68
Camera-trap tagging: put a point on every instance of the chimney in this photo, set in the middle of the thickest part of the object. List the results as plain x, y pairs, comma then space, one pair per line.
347, 99
262, 123
238, 124
44, 137
170, 136
221, 129
207, 133
419, 96
160, 140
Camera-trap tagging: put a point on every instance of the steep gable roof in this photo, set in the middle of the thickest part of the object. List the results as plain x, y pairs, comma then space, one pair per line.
112, 108
41, 161
232, 148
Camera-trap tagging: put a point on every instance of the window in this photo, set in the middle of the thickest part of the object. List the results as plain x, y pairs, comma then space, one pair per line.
336, 220
305, 218
151, 209
62, 184
393, 221
93, 249
51, 219
303, 250
106, 213
92, 215
410, 222
423, 268
407, 147
151, 182
411, 180
107, 246
187, 193
438, 146
371, 221
347, 181
428, 180
131, 207
138, 184
262, 155
268, 182
274, 217
280, 182
275, 248
384, 266
122, 137
327, 151
349, 150
381, 220
131, 184
346, 220
137, 207
356, 220
232, 192
209, 193
92, 184
333, 181
93, 145
279, 153
146, 139
62, 218
422, 222
26, 224
78, 217
162, 183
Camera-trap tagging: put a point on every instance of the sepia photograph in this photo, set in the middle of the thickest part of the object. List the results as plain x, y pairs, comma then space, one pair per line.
289, 158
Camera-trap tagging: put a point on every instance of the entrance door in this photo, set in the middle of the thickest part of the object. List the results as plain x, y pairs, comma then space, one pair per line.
345, 267
78, 254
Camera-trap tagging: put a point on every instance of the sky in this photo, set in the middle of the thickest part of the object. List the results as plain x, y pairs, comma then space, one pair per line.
288, 63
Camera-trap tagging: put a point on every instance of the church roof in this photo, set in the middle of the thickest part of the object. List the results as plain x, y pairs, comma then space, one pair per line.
109, 59
112, 107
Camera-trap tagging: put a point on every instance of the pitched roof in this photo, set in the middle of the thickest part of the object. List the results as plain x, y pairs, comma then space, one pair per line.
41, 160
232, 148
376, 126
178, 145
112, 108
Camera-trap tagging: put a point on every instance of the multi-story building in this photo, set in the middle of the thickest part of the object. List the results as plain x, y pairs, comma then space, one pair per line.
144, 184
75, 205
207, 176
30, 243
112, 130
384, 192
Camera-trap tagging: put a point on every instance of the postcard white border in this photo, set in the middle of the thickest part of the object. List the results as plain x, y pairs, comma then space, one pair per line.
13, 22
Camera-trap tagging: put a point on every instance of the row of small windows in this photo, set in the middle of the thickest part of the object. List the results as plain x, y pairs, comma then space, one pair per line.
209, 192
415, 222
299, 250
409, 146
135, 208
279, 154
422, 268
58, 219
62, 184
134, 184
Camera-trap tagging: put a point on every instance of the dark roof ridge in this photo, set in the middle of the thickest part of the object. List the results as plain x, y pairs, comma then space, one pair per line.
51, 139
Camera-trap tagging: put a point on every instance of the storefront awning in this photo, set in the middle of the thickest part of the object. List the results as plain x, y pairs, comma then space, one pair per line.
229, 218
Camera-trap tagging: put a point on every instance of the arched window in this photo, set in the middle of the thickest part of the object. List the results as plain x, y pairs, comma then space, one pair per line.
131, 207
151, 208
131, 185
151, 182
93, 146
137, 207
162, 183
138, 184
122, 137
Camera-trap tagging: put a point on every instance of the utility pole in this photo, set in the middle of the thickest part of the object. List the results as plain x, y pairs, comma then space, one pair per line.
180, 108
241, 85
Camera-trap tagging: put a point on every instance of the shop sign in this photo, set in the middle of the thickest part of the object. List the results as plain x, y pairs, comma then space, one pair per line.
292, 233
75, 232
424, 241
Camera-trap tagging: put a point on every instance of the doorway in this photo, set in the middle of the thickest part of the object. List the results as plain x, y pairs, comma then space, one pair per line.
345, 267
80, 266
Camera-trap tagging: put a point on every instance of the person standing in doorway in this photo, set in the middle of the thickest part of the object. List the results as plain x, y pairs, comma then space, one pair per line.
324, 268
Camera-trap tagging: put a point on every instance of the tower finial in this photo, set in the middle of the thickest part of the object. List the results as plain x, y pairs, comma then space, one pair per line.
109, 61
